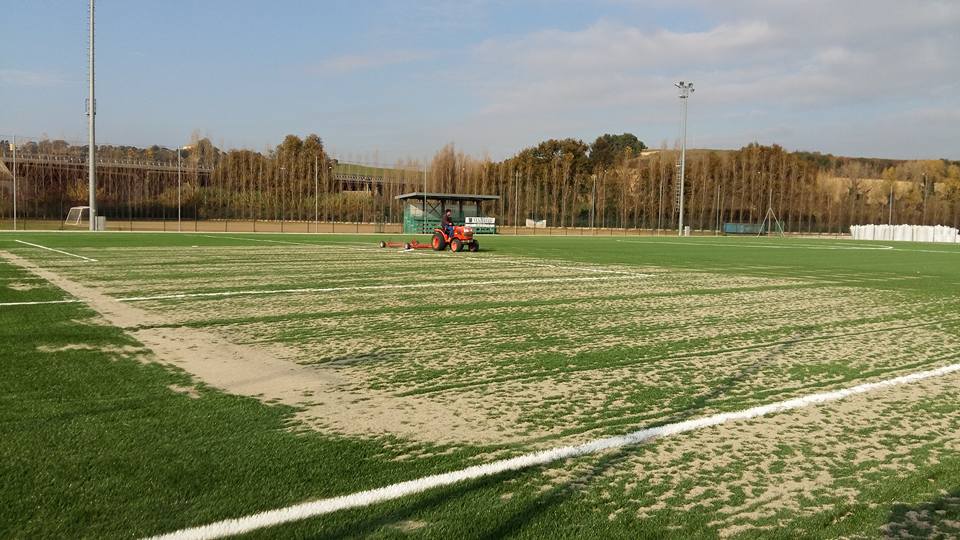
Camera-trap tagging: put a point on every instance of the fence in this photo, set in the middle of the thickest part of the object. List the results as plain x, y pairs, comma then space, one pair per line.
138, 189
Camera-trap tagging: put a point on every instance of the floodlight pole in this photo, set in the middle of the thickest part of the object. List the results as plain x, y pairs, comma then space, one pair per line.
660, 202
316, 193
890, 217
91, 130
924, 217
14, 182
424, 213
283, 197
686, 88
179, 183
516, 202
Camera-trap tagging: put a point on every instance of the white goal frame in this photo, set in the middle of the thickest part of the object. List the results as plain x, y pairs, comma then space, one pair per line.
75, 216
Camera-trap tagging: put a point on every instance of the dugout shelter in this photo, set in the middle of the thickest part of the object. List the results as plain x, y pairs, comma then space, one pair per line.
423, 211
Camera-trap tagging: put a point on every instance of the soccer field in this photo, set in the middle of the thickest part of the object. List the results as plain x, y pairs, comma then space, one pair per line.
155, 382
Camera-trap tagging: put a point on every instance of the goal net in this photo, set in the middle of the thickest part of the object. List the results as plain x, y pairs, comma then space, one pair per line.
78, 215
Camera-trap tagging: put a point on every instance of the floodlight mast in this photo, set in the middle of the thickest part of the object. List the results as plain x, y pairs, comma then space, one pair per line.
686, 88
91, 130
179, 182
14, 182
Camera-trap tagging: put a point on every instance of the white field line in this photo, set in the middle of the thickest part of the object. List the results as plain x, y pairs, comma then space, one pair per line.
261, 240
364, 288
750, 245
56, 250
954, 252
360, 499
856, 247
561, 267
72, 301
315, 244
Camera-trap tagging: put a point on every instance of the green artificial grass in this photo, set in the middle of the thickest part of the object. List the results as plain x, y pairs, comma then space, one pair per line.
95, 443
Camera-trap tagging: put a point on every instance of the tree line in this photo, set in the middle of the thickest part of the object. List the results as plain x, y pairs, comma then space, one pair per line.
615, 181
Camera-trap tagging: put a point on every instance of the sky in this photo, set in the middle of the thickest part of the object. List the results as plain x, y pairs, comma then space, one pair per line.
384, 80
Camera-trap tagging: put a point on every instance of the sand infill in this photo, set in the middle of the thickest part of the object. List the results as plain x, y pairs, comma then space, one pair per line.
20, 286
111, 349
257, 372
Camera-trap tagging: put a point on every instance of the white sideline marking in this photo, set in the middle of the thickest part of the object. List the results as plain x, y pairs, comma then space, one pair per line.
73, 301
261, 240
361, 288
764, 246
319, 507
57, 250
317, 244
535, 264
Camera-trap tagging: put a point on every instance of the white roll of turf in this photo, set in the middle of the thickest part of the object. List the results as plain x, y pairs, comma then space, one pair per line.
906, 233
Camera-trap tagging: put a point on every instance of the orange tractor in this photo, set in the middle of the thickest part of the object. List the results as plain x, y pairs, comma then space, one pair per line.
461, 238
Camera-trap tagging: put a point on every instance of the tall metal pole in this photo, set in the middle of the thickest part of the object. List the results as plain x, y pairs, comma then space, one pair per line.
14, 182
890, 217
536, 203
179, 183
424, 231
91, 130
717, 209
686, 88
593, 202
316, 194
516, 201
923, 220
660, 201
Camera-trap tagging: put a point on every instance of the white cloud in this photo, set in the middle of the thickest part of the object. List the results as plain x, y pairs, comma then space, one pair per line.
758, 67
606, 45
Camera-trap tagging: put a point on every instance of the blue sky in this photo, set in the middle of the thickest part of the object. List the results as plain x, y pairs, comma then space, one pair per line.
388, 80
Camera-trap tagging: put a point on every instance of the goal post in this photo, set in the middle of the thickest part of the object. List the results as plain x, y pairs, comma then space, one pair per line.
77, 216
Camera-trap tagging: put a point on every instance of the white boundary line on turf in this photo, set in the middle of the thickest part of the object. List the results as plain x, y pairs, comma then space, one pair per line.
38, 302
763, 246
363, 288
298, 512
261, 240
56, 250
316, 244
536, 264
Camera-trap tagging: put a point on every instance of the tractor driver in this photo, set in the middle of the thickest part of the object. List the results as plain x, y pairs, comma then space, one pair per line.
447, 223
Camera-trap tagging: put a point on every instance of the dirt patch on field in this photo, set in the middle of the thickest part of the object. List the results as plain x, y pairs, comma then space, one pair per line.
317, 391
750, 475
20, 286
529, 362
112, 349
188, 391
409, 526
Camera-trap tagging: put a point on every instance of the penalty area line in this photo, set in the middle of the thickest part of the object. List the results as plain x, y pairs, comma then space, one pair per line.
314, 244
259, 240
319, 507
56, 250
254, 292
40, 302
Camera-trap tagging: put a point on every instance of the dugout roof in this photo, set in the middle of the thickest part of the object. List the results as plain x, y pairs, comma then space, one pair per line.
452, 197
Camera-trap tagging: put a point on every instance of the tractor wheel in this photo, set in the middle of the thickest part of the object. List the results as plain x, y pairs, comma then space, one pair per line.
474, 246
456, 245
439, 244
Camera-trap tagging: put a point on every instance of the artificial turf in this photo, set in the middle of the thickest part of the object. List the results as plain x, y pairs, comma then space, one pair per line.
95, 443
